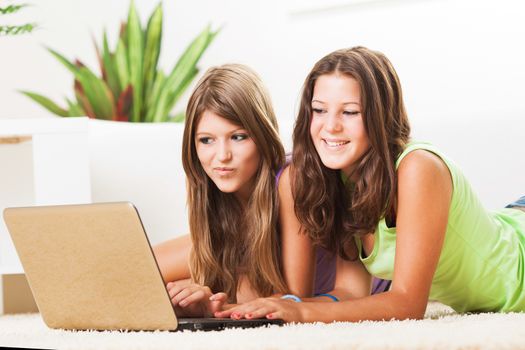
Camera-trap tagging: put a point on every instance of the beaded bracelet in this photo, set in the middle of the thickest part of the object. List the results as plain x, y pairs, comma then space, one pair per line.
333, 297
292, 297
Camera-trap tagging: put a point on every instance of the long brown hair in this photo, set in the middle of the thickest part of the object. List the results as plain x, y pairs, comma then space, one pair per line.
332, 212
228, 239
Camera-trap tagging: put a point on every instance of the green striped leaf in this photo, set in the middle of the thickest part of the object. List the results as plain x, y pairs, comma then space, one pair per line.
152, 50
179, 90
97, 93
161, 103
95, 89
194, 51
46, 103
121, 63
72, 68
152, 101
82, 100
184, 69
135, 59
124, 103
75, 110
111, 75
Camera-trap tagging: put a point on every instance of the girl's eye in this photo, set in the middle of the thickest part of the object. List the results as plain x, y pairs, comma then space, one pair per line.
205, 140
317, 110
350, 112
239, 137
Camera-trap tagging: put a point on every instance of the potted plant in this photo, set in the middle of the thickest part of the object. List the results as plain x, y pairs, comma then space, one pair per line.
134, 156
130, 87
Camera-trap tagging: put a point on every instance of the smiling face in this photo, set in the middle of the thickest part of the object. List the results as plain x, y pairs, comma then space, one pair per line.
227, 154
337, 128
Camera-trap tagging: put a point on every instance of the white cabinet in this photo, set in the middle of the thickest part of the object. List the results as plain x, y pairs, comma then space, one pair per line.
42, 161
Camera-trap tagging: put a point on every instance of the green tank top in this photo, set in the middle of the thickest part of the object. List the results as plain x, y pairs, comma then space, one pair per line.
481, 267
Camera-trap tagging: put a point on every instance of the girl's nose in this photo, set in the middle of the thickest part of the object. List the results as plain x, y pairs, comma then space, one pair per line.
333, 123
224, 152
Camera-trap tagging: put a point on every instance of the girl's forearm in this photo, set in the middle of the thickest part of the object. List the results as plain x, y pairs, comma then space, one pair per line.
173, 258
340, 294
384, 306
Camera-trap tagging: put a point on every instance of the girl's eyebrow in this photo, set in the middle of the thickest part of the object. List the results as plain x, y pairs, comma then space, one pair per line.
211, 133
344, 103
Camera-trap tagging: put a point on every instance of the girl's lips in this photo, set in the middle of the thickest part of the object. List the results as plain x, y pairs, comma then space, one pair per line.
223, 170
335, 143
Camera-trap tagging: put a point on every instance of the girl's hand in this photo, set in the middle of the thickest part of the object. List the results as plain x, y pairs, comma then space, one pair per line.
194, 300
271, 308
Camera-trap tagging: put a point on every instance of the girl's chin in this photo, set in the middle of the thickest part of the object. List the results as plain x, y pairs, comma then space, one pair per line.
226, 188
335, 165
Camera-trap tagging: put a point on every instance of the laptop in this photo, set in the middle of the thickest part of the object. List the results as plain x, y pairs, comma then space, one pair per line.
91, 266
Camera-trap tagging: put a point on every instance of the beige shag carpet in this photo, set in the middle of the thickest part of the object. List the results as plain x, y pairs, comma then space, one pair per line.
441, 329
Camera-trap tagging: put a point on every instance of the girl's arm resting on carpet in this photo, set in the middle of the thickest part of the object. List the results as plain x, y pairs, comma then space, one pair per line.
424, 194
352, 281
173, 258
298, 253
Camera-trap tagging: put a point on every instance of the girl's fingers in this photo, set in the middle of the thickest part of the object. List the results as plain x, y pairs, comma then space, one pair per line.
219, 297
275, 315
181, 295
195, 296
174, 290
216, 302
240, 311
224, 314
260, 312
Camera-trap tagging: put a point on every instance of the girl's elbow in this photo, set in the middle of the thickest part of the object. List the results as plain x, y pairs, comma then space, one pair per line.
411, 311
407, 308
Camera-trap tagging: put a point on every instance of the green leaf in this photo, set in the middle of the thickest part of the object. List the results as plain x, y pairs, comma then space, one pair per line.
179, 90
73, 68
135, 59
18, 29
123, 33
95, 89
152, 100
182, 71
111, 75
152, 51
11, 9
121, 63
82, 100
97, 93
194, 51
46, 103
75, 110
124, 103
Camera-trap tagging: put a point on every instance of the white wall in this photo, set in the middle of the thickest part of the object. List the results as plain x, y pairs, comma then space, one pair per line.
461, 60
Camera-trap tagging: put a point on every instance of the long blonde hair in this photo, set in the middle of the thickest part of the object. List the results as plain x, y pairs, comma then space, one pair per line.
227, 237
